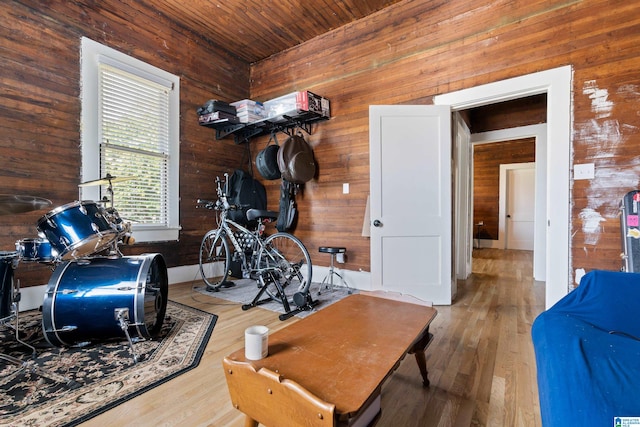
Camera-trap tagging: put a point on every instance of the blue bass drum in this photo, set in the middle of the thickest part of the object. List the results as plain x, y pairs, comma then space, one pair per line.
84, 297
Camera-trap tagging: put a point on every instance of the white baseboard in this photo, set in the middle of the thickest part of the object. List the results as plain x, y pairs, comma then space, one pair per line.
33, 296
183, 273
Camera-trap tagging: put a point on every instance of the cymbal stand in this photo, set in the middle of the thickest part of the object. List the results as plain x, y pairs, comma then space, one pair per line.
110, 189
115, 250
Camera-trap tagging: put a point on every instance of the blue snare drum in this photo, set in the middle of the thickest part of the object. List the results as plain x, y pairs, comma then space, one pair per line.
37, 249
77, 229
83, 298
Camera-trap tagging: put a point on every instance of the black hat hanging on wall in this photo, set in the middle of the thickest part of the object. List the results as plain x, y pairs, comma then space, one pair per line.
267, 160
296, 161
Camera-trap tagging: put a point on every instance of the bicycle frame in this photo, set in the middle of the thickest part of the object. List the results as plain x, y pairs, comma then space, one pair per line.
225, 226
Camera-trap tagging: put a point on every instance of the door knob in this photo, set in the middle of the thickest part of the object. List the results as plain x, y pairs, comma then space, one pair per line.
377, 223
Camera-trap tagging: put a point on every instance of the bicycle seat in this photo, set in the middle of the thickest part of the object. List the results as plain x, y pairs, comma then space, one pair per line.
260, 214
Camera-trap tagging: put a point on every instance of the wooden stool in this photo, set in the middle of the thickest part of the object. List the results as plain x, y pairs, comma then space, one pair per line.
331, 250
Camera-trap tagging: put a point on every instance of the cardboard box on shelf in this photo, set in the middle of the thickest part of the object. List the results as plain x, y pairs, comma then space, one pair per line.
295, 104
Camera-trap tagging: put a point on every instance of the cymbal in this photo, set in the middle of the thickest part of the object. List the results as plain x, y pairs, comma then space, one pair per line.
12, 203
107, 180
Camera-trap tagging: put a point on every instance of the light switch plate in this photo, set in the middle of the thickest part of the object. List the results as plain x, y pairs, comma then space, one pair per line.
584, 171
345, 188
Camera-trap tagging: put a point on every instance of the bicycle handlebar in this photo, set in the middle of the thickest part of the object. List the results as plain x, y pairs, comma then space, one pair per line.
207, 204
221, 204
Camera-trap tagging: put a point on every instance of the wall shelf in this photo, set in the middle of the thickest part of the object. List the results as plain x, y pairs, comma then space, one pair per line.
243, 132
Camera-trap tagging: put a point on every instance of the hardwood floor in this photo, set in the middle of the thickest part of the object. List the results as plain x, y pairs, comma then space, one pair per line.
481, 362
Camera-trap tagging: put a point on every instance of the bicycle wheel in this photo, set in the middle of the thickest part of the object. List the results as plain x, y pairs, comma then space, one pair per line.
214, 259
285, 259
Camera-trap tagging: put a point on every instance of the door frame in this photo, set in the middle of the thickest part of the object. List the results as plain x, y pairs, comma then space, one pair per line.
463, 198
557, 84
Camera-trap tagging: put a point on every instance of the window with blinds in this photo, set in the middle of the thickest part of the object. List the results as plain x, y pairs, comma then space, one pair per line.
130, 130
134, 143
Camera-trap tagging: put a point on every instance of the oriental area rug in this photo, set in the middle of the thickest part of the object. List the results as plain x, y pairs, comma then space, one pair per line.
65, 386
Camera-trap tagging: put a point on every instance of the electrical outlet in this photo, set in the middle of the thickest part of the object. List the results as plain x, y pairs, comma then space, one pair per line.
584, 171
345, 188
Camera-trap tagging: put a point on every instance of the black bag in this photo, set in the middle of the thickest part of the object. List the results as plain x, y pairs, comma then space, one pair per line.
246, 193
235, 268
296, 161
288, 210
267, 160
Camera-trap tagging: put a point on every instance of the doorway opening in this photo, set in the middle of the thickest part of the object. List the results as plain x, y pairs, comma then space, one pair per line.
494, 237
556, 84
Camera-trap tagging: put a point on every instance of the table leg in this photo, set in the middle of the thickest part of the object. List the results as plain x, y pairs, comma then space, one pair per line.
422, 365
418, 350
250, 422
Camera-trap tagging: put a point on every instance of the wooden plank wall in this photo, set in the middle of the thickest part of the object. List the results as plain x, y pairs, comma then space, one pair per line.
414, 50
404, 55
40, 109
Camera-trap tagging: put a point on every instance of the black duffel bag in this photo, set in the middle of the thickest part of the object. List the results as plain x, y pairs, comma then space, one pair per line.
267, 160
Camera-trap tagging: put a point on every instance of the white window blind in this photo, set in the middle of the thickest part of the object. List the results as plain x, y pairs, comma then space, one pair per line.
134, 142
130, 128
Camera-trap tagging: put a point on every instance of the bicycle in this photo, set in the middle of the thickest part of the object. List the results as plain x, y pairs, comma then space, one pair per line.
280, 263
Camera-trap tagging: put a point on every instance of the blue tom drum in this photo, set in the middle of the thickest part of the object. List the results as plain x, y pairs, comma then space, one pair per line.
38, 250
84, 297
77, 229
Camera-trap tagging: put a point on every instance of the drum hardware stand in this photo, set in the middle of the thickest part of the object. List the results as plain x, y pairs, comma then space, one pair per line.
122, 316
15, 306
114, 251
30, 365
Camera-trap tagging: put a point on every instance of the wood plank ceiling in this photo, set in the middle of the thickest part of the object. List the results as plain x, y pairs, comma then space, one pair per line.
256, 29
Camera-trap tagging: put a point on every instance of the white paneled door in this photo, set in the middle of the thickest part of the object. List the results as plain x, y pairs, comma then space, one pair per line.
520, 221
411, 218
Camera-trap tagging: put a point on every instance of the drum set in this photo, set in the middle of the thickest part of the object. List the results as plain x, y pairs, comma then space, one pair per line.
95, 293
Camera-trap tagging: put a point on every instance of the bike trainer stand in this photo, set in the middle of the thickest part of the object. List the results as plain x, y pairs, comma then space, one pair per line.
302, 300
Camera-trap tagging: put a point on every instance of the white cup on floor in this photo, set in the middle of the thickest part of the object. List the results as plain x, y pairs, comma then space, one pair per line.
256, 342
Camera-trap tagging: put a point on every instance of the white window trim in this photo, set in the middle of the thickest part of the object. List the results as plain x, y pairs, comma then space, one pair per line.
92, 53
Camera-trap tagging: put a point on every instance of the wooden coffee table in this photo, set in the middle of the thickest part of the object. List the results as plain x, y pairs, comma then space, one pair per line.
342, 355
